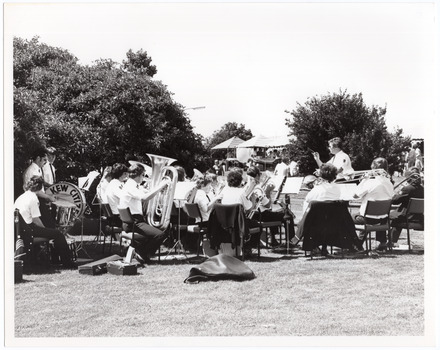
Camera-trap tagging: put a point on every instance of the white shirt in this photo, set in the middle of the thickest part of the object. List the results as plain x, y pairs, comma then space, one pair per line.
113, 192
377, 188
281, 169
101, 189
235, 195
202, 199
28, 205
49, 173
31, 170
132, 195
341, 160
293, 168
324, 191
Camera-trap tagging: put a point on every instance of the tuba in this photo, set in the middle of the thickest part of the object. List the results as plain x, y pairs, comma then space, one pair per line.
159, 207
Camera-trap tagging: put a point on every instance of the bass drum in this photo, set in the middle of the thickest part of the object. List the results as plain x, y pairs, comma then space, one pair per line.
66, 193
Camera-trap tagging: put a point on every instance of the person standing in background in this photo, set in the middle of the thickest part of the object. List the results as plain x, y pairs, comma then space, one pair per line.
39, 159
48, 169
340, 159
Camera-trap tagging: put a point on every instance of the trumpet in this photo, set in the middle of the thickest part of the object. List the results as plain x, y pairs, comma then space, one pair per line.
159, 207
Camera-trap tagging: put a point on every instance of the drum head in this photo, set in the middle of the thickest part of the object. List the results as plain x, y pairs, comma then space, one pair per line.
69, 195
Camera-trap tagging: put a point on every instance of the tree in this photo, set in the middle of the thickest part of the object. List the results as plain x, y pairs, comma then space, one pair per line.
139, 62
95, 115
362, 129
227, 131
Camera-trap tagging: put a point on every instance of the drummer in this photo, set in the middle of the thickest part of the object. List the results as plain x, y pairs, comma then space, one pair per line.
28, 206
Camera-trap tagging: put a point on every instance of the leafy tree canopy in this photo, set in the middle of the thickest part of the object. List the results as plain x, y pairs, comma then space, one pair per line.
362, 129
227, 131
95, 115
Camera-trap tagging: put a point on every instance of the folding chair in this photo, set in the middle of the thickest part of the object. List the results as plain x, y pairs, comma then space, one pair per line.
227, 224
193, 211
416, 207
327, 223
36, 249
375, 208
265, 225
111, 225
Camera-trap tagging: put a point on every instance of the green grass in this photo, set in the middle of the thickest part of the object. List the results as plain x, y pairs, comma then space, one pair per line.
291, 296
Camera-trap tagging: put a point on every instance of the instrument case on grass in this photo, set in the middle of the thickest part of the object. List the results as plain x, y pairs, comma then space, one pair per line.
97, 267
121, 268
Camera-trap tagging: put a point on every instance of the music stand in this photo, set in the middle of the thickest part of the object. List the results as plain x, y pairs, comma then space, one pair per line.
184, 191
289, 186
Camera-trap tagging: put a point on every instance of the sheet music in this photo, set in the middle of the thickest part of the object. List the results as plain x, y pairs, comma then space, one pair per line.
347, 191
183, 189
292, 185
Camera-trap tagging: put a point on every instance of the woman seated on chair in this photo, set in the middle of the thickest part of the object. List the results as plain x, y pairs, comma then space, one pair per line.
204, 197
113, 192
264, 207
375, 188
413, 189
28, 206
324, 189
132, 196
233, 193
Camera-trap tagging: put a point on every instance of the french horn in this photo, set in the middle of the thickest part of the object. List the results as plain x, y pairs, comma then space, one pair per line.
159, 207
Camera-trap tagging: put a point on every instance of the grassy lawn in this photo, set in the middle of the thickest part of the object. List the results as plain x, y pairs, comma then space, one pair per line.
291, 296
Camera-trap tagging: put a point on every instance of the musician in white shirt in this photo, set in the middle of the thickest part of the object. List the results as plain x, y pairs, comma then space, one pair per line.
39, 159
48, 168
113, 191
131, 197
282, 169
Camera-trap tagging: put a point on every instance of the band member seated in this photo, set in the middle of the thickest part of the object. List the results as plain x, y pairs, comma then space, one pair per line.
113, 191
233, 193
132, 196
28, 206
340, 159
263, 210
204, 197
324, 189
413, 189
377, 187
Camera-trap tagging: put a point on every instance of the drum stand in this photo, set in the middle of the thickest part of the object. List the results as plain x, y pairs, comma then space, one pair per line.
178, 246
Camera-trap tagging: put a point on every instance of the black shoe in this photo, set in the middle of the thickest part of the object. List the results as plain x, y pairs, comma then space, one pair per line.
382, 247
324, 252
139, 258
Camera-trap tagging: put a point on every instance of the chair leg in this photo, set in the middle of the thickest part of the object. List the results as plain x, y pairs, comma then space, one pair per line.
408, 238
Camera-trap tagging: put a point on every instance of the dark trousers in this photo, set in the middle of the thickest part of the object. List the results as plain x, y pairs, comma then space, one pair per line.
60, 245
381, 236
151, 239
48, 213
268, 215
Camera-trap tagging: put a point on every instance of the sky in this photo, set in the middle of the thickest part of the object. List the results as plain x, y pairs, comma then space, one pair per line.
250, 62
